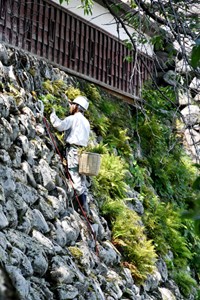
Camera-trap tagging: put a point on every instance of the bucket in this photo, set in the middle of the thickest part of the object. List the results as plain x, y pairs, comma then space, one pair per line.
89, 163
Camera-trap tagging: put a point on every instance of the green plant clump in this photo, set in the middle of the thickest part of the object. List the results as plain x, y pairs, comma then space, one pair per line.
185, 282
164, 225
110, 181
129, 237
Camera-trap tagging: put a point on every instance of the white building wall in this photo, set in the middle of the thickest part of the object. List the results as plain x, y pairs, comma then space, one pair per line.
103, 19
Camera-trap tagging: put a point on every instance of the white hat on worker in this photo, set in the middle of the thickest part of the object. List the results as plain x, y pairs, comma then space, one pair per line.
82, 101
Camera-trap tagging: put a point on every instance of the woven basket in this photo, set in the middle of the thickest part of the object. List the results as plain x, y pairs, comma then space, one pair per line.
89, 163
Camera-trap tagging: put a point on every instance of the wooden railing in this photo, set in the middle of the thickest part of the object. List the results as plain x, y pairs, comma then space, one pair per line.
44, 28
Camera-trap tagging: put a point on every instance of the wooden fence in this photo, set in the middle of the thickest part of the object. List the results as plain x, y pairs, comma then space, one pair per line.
44, 28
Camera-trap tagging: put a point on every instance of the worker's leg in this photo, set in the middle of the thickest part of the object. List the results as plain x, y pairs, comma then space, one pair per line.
79, 181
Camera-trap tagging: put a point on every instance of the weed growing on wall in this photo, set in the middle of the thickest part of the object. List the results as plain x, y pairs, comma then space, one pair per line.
171, 176
111, 179
129, 237
164, 224
184, 281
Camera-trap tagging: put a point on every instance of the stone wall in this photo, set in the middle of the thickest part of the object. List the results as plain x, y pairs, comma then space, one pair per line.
47, 250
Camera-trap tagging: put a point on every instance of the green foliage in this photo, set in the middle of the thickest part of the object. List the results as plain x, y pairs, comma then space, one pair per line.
110, 181
99, 122
56, 87
185, 282
108, 107
102, 125
54, 97
60, 105
164, 225
119, 139
160, 103
195, 55
193, 244
197, 297
99, 148
140, 174
128, 234
129, 237
158, 42
72, 92
76, 252
110, 119
92, 93
171, 175
193, 211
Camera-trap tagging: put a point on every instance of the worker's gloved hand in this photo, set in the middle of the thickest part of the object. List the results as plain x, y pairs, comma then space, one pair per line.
53, 116
53, 111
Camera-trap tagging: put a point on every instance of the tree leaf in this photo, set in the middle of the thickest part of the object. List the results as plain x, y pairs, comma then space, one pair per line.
195, 56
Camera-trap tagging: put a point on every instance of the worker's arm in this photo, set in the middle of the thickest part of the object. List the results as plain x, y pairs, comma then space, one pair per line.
60, 125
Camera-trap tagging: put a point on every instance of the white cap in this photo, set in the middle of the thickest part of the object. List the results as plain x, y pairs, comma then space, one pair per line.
82, 101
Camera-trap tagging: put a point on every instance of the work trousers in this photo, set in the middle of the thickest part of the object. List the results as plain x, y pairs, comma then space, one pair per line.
79, 180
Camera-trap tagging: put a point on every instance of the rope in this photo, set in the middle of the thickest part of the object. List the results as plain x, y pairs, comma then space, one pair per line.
70, 180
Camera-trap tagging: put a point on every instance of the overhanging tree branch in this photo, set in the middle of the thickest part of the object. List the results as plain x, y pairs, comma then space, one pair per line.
162, 21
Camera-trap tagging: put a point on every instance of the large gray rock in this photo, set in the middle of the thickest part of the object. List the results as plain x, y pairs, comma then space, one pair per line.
5, 157
47, 244
71, 228
20, 283
172, 78
27, 194
67, 292
152, 282
184, 97
192, 137
183, 67
3, 219
45, 175
109, 254
5, 134
114, 284
39, 221
166, 294
20, 260
191, 115
61, 272
7, 289
40, 289
11, 213
3, 54
195, 84
197, 97
38, 260
58, 234
16, 155
162, 268
4, 106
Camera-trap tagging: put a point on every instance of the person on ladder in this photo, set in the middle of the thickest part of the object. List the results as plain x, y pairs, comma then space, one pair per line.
77, 131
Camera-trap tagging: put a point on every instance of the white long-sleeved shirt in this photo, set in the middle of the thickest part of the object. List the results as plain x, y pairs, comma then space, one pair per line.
78, 126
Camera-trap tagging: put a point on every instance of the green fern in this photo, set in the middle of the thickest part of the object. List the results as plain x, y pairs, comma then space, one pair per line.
99, 148
185, 282
111, 178
92, 93
119, 140
164, 224
72, 92
129, 237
